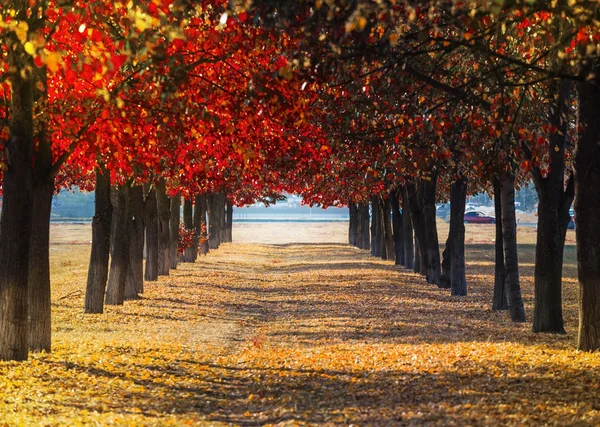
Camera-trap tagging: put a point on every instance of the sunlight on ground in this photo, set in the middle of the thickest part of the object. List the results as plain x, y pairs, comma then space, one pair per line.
300, 334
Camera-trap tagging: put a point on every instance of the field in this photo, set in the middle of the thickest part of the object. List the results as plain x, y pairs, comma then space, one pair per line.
267, 331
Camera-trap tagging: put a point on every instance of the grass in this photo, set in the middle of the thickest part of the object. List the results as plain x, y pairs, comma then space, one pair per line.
312, 333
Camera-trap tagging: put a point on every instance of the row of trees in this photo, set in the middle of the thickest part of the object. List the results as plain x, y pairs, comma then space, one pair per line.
433, 99
344, 102
142, 102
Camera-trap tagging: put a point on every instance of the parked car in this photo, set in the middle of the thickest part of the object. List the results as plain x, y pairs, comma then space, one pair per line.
478, 217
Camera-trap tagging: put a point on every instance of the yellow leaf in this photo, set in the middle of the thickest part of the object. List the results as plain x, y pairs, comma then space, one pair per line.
20, 29
362, 23
29, 48
590, 49
53, 61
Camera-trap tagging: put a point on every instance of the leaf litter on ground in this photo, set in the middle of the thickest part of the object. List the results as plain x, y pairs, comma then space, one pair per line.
301, 335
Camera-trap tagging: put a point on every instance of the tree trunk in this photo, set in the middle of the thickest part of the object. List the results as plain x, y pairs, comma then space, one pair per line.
229, 234
547, 314
364, 235
417, 263
151, 226
458, 198
200, 214
407, 232
358, 227
418, 223
388, 237
352, 223
397, 227
374, 217
376, 235
101, 225
164, 234
39, 267
422, 250
119, 262
134, 283
445, 278
175, 219
509, 237
39, 256
15, 222
500, 301
221, 205
587, 207
213, 221
188, 222
564, 217
433, 247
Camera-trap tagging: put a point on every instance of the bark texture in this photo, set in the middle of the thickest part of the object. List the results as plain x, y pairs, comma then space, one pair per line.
352, 224
445, 281
500, 301
119, 262
430, 222
101, 224
418, 223
397, 227
388, 236
458, 198
39, 256
377, 244
407, 232
417, 262
188, 222
547, 313
174, 221
221, 205
214, 221
587, 208
509, 238
163, 206
40, 328
200, 217
151, 226
15, 222
229, 231
134, 284
364, 238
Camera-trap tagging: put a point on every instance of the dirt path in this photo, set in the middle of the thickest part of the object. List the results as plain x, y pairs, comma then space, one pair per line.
337, 337
298, 334
333, 336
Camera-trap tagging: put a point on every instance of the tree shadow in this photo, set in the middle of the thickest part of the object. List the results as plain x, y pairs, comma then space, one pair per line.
250, 394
